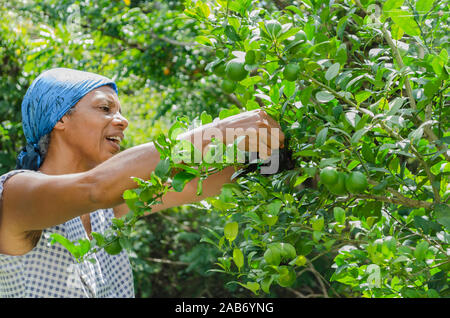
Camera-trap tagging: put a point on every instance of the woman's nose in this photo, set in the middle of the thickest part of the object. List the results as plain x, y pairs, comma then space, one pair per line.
119, 119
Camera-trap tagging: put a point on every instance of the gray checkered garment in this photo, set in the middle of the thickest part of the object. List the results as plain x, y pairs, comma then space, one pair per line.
49, 270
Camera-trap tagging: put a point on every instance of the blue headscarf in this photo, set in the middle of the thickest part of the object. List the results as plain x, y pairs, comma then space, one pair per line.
46, 101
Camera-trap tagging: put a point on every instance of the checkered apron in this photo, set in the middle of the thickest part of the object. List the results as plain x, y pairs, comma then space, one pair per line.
49, 270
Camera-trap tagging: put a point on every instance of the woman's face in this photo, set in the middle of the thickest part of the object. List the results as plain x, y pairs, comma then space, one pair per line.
96, 127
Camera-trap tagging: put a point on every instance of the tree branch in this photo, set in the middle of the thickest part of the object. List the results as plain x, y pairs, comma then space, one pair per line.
397, 200
427, 130
165, 261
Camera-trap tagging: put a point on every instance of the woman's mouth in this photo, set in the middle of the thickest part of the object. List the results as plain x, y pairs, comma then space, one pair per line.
114, 141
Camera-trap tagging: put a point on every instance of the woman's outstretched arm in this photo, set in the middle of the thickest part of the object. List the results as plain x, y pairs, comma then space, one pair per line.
34, 201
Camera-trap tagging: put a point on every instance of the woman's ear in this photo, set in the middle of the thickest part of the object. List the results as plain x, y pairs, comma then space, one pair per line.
60, 125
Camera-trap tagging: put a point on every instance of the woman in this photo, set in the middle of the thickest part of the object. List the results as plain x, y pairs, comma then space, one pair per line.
70, 179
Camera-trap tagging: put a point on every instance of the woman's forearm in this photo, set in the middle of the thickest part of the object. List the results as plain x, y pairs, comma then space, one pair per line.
114, 176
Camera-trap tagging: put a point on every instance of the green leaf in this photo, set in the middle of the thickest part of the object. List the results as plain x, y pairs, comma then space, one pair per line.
265, 284
274, 94
324, 96
222, 206
238, 258
250, 81
392, 4
395, 105
119, 223
269, 219
306, 153
99, 238
224, 113
332, 71
426, 225
300, 180
357, 135
437, 63
442, 215
287, 251
181, 179
163, 168
362, 96
288, 88
423, 6
317, 223
206, 118
231, 33
201, 39
274, 207
432, 87
321, 137
339, 215
404, 20
199, 186
231, 231
58, 238
185, 151
421, 250
84, 245
253, 286
125, 242
176, 129
288, 34
396, 32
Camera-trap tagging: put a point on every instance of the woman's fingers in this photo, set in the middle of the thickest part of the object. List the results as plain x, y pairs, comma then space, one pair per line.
262, 133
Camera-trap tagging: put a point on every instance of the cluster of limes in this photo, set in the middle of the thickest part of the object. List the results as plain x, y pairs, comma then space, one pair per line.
277, 253
235, 70
341, 183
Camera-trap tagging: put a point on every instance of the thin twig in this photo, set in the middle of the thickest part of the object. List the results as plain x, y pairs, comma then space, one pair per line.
165, 261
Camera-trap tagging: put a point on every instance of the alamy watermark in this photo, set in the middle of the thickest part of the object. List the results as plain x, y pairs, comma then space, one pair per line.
231, 147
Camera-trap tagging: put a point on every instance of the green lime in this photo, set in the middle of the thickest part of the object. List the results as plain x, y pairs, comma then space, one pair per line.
286, 276
273, 27
287, 251
328, 176
338, 188
219, 69
114, 247
228, 86
356, 182
272, 256
291, 72
236, 70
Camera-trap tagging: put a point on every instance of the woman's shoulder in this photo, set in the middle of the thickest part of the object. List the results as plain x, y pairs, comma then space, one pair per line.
8, 175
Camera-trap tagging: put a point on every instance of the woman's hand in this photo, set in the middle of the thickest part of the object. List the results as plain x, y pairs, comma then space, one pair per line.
262, 133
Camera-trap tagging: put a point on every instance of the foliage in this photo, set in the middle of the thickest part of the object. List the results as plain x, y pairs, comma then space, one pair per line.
369, 97
356, 86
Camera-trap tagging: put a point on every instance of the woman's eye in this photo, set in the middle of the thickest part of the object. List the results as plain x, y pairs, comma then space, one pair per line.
105, 108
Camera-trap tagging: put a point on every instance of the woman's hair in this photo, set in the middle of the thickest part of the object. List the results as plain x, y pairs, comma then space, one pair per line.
44, 141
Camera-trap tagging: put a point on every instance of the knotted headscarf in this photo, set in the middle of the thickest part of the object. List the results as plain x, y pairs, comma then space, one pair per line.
46, 101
